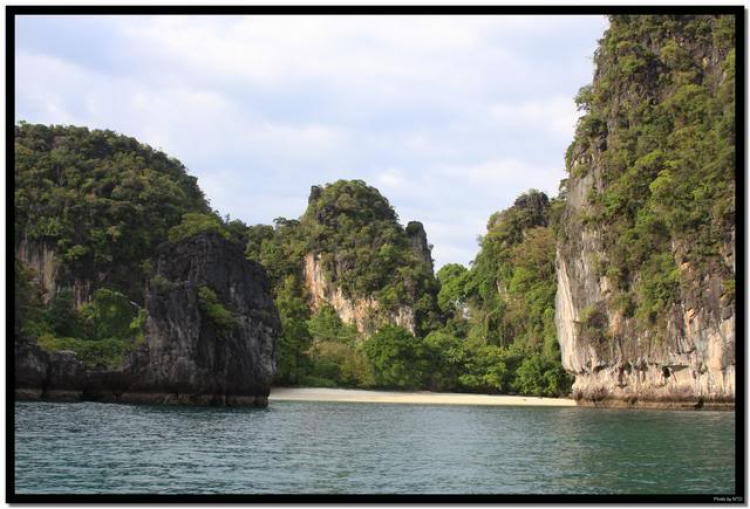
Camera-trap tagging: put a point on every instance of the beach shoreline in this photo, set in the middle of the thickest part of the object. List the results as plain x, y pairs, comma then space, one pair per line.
410, 398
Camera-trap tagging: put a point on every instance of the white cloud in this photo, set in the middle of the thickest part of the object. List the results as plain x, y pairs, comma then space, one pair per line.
452, 117
391, 178
557, 115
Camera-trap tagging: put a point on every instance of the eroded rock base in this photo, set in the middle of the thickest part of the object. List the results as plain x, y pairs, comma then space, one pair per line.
656, 386
145, 398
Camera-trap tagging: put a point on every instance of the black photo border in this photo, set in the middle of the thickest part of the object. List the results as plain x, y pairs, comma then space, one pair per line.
12, 11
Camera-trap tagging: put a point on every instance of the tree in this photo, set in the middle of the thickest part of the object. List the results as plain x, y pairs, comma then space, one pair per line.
447, 358
195, 223
295, 338
62, 315
398, 359
452, 278
108, 315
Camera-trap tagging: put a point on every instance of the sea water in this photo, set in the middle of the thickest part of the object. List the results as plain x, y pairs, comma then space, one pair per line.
353, 448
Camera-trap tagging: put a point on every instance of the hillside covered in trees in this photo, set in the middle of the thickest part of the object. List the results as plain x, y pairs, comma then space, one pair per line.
358, 299
646, 276
626, 279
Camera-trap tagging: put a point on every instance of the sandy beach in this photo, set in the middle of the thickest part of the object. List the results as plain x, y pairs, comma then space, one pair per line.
413, 398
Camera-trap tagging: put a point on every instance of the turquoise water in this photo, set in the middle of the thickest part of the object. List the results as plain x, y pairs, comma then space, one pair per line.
314, 447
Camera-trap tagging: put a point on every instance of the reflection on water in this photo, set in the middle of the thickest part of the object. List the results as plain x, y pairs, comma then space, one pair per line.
314, 447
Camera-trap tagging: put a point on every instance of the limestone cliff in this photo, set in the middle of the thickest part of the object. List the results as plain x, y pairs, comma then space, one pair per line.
42, 259
363, 263
645, 307
91, 207
419, 244
365, 313
210, 337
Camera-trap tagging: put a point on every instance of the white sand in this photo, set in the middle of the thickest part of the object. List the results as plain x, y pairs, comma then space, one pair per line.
419, 398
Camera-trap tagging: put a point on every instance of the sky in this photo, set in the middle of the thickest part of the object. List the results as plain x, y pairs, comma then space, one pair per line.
450, 117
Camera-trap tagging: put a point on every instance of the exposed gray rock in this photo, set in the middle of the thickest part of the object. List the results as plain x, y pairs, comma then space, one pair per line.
418, 239
315, 192
188, 357
190, 353
30, 364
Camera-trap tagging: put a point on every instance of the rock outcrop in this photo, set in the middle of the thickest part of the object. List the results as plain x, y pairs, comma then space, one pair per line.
365, 313
363, 263
210, 337
691, 361
645, 308
418, 239
42, 258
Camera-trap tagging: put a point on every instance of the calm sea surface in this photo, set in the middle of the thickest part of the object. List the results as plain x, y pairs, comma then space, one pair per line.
370, 448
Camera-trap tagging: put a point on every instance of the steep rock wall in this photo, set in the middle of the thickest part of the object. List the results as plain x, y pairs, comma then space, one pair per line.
188, 357
659, 81
419, 245
691, 360
365, 313
42, 258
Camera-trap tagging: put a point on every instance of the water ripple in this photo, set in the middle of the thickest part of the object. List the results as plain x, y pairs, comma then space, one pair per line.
313, 447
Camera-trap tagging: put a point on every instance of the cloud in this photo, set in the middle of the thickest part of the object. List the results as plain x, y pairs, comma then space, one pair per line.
391, 178
556, 115
451, 117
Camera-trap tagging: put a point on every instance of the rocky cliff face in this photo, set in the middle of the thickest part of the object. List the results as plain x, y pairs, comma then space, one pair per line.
189, 350
419, 245
690, 359
365, 313
210, 337
645, 307
42, 258
362, 262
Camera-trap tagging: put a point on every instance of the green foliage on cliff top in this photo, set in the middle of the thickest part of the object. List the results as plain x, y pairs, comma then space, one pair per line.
663, 101
102, 201
502, 309
362, 247
194, 223
357, 233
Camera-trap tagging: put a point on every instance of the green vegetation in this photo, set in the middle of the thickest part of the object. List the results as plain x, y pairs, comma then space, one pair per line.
106, 353
99, 333
364, 251
214, 310
293, 362
101, 201
500, 313
663, 108
398, 359
356, 232
194, 223
334, 354
491, 327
